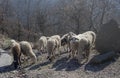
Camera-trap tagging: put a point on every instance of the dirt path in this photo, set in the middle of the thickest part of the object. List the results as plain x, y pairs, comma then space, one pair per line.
63, 68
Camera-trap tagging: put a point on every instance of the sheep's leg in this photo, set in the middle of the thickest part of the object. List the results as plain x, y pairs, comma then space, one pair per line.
65, 48
35, 58
44, 49
26, 59
70, 53
40, 49
79, 55
19, 61
52, 55
76, 53
71, 50
68, 48
59, 50
15, 56
49, 54
72, 56
87, 55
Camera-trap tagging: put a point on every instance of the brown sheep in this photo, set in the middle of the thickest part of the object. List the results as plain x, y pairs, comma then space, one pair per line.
16, 51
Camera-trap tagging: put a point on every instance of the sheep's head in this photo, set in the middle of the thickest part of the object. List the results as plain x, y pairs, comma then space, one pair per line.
74, 39
13, 42
8, 44
63, 41
66, 38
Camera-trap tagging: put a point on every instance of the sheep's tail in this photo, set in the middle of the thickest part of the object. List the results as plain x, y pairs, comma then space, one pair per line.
93, 37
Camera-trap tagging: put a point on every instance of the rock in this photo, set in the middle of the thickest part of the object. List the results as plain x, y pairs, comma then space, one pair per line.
108, 38
5, 59
103, 57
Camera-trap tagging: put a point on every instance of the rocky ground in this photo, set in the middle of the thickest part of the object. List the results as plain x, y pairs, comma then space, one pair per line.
62, 67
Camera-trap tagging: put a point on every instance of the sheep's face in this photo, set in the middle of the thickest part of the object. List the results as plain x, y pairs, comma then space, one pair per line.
66, 38
63, 41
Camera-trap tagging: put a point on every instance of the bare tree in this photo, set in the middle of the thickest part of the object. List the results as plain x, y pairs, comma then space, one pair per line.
76, 14
6, 12
27, 11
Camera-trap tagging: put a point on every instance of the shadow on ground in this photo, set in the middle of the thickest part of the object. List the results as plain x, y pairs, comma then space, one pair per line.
100, 66
38, 65
7, 68
61, 64
66, 64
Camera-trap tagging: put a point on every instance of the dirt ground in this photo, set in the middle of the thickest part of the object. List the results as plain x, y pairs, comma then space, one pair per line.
62, 67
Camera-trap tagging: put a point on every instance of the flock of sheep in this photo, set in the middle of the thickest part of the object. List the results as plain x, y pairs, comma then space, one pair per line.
78, 46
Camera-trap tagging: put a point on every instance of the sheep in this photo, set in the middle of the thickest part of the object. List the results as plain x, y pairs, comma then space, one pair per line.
42, 43
58, 40
26, 49
65, 40
16, 51
86, 44
82, 44
91, 36
53, 44
83, 50
74, 43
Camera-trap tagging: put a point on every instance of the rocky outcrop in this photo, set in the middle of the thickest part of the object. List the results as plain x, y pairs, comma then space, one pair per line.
108, 38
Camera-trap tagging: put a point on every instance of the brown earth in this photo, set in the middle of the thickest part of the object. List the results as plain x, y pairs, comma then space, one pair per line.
62, 67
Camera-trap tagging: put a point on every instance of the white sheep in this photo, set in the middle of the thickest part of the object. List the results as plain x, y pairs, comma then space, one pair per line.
83, 50
26, 49
82, 44
53, 44
86, 44
91, 36
42, 43
74, 43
